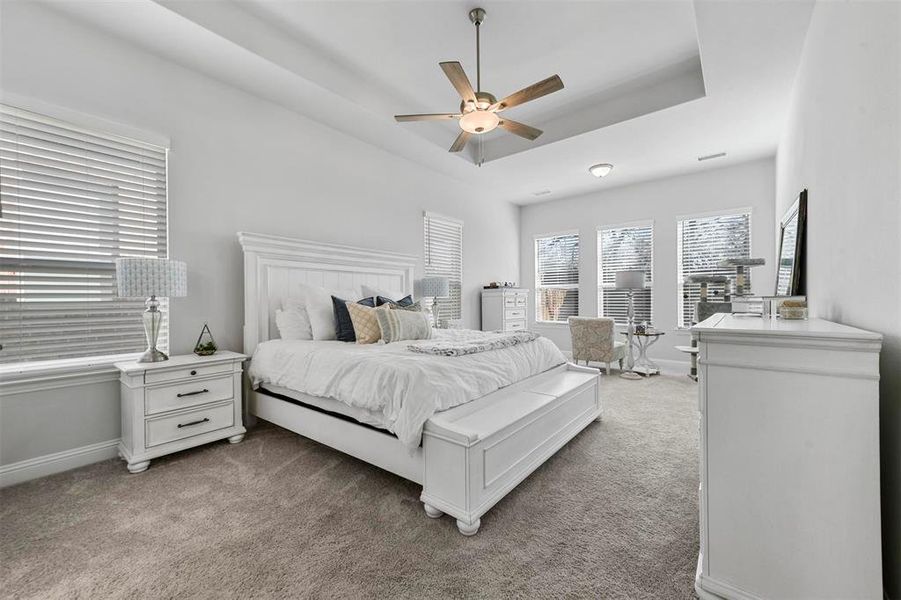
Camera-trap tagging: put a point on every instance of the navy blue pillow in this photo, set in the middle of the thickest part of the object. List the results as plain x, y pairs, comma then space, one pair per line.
405, 301
344, 326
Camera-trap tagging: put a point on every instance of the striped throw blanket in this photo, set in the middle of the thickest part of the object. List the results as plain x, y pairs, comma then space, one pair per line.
472, 342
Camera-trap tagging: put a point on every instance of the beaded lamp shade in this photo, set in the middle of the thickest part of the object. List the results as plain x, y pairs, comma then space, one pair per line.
144, 277
436, 287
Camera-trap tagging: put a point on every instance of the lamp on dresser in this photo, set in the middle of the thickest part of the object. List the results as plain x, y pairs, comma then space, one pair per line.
435, 288
149, 278
630, 281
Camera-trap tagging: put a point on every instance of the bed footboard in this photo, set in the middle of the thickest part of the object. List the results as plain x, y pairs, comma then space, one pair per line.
476, 453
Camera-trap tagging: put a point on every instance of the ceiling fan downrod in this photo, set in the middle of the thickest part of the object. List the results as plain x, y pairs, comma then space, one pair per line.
477, 15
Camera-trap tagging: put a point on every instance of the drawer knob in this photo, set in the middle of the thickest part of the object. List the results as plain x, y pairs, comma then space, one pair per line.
193, 372
203, 420
203, 391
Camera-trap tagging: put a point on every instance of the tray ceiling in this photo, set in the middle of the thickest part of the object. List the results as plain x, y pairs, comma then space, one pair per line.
650, 86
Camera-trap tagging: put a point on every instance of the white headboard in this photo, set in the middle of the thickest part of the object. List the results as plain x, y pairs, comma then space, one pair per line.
275, 267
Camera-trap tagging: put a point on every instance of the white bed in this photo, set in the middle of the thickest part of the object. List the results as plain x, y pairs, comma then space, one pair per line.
377, 382
472, 452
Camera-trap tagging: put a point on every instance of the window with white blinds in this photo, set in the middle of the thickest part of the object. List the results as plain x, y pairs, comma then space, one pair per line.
71, 202
557, 277
444, 258
702, 243
628, 248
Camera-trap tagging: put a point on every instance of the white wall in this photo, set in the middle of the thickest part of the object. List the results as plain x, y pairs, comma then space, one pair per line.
237, 163
748, 185
841, 142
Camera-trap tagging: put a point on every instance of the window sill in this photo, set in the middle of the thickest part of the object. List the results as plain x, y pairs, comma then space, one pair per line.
46, 374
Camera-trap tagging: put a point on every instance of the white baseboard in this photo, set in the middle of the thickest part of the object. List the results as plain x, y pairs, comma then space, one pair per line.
667, 366
673, 367
41, 466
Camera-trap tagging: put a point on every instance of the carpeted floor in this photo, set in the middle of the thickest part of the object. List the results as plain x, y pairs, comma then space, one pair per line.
612, 515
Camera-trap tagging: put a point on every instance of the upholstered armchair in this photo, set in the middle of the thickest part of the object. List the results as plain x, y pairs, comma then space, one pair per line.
593, 340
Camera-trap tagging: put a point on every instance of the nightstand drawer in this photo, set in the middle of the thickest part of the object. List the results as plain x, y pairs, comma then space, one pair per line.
189, 372
515, 313
515, 326
161, 430
509, 300
189, 393
520, 299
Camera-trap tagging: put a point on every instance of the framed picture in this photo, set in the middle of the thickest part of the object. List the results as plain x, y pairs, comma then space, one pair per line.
792, 245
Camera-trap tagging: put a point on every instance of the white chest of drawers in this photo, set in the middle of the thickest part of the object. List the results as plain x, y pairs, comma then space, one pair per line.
177, 404
789, 497
505, 309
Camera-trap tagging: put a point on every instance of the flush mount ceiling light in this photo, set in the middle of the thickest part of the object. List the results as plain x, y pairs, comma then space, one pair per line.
479, 110
600, 170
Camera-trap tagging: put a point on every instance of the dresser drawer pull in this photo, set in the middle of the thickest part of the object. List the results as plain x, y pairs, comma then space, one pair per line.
203, 391
193, 372
203, 420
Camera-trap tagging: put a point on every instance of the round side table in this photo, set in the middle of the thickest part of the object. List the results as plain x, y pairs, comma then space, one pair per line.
641, 342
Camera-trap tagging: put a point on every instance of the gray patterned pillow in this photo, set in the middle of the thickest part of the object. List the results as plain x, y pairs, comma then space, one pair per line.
416, 306
399, 325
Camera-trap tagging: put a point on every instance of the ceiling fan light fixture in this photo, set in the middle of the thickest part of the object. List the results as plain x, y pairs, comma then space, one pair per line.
600, 170
477, 107
479, 121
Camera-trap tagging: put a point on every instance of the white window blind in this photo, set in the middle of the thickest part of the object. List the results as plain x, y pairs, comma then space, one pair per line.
702, 243
444, 258
625, 249
71, 202
557, 277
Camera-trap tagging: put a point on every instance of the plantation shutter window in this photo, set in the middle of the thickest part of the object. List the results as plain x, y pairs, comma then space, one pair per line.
444, 258
625, 248
702, 243
557, 277
72, 201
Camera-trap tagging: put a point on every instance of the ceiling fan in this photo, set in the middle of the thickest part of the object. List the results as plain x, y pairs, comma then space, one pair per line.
479, 110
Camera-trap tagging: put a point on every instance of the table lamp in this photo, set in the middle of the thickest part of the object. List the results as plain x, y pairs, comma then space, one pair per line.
434, 288
630, 281
149, 278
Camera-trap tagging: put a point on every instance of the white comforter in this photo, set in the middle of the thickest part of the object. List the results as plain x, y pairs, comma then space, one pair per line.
404, 387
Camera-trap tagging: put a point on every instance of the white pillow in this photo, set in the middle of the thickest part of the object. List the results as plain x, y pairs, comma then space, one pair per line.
293, 324
295, 319
386, 293
321, 310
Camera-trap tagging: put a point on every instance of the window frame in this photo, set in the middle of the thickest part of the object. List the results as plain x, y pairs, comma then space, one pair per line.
680, 278
649, 283
25, 371
537, 286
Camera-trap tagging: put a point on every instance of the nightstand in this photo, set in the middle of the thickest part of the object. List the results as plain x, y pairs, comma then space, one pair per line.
177, 404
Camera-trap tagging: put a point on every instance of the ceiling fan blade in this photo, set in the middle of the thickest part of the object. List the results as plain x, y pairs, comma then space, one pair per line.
536, 90
459, 80
460, 141
427, 117
526, 131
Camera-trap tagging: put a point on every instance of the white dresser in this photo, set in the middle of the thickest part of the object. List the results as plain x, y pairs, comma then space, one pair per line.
504, 309
789, 497
180, 403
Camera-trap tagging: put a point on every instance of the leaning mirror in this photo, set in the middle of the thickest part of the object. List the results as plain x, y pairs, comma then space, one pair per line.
790, 271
